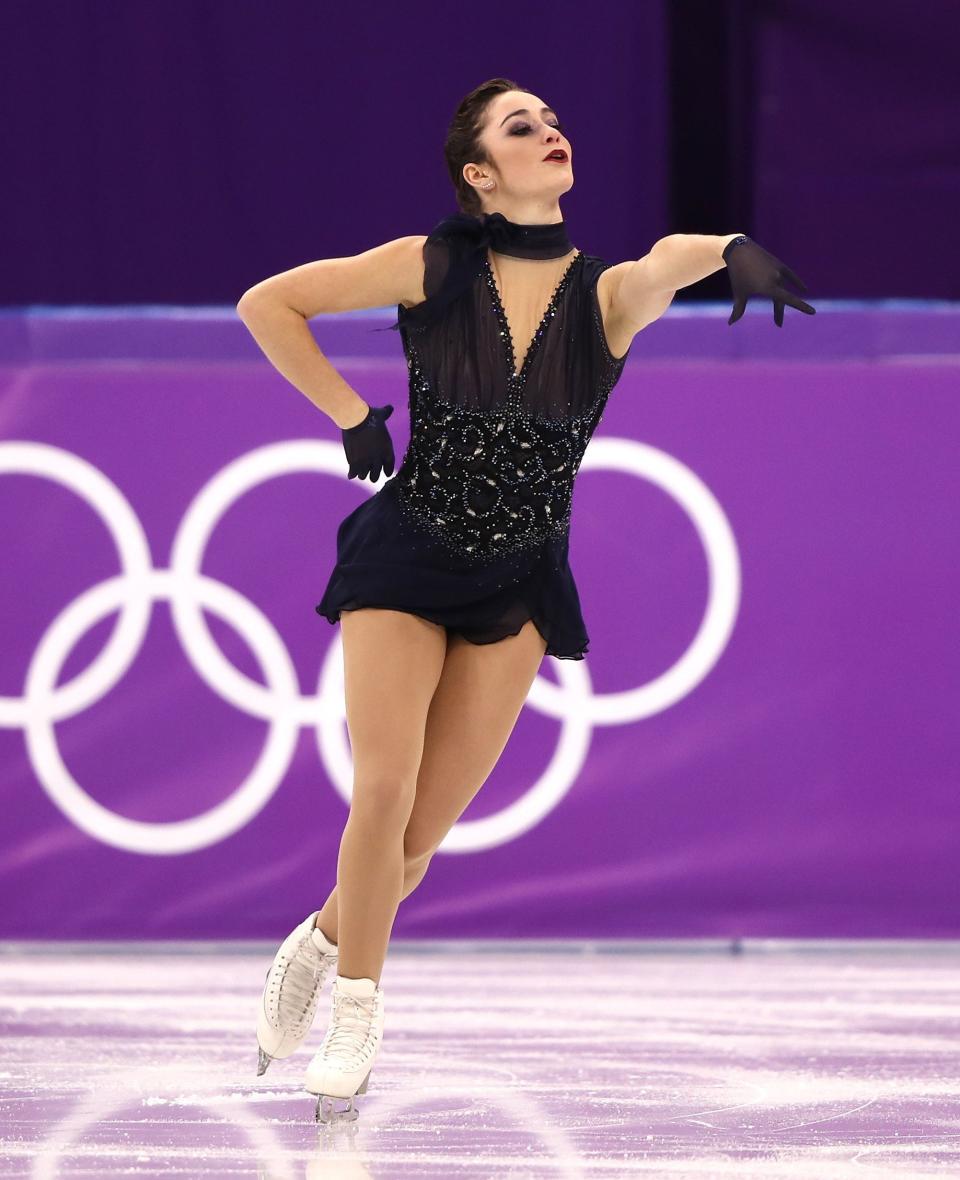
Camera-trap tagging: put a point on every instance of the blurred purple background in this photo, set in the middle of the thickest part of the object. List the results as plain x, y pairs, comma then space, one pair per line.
178, 153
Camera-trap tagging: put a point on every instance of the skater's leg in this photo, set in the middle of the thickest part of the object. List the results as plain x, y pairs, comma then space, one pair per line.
477, 701
473, 712
392, 664
414, 868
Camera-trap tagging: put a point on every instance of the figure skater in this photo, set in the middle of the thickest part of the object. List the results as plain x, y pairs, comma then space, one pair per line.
452, 582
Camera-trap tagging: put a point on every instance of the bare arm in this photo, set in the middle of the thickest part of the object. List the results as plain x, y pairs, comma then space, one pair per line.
276, 311
679, 260
640, 292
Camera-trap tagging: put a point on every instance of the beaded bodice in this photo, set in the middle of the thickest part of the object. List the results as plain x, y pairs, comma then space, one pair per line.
494, 450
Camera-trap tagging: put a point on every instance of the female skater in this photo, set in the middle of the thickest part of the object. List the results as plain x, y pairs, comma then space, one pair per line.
452, 581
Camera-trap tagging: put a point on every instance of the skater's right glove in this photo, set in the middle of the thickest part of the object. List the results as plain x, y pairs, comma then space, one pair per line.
368, 445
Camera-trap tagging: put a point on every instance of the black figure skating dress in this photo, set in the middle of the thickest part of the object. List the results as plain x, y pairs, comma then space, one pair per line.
472, 531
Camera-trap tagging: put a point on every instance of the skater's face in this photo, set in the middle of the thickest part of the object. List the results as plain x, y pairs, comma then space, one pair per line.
519, 132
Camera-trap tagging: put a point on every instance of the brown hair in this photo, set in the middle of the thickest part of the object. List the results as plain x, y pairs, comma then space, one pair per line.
462, 145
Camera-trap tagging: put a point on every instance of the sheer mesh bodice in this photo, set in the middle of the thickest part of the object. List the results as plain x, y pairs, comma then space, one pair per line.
494, 451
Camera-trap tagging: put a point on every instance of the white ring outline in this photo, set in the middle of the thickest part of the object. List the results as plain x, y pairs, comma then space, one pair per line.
572, 701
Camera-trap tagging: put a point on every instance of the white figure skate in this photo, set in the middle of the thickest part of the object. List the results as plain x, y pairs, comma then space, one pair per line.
289, 1001
342, 1066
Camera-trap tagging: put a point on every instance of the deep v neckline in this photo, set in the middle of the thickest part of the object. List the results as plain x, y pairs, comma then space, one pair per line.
506, 332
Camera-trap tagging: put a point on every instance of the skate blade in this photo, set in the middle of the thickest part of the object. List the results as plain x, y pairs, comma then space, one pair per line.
327, 1111
263, 1060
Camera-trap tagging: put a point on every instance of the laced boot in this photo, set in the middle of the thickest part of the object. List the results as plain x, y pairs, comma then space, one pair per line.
342, 1066
289, 1001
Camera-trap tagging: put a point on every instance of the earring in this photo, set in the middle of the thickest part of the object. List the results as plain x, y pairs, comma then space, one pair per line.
489, 184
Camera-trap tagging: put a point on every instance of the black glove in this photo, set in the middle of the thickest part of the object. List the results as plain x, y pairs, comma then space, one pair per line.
368, 445
753, 271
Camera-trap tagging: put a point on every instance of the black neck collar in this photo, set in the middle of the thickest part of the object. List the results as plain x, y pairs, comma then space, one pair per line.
546, 240
467, 239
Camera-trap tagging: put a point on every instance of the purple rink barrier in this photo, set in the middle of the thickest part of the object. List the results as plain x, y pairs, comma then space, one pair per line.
762, 741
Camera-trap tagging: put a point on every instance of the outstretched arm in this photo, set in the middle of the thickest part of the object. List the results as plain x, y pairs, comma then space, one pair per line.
679, 260
641, 291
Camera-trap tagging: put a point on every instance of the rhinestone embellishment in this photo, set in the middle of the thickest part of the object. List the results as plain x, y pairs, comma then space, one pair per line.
496, 481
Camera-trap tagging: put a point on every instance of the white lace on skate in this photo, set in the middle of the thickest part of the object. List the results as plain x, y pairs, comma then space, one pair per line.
299, 990
350, 1037
297, 987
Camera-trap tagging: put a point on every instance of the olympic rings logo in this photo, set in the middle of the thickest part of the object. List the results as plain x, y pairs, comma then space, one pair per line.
280, 703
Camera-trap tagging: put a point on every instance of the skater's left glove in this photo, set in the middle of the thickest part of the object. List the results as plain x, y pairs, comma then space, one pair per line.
753, 271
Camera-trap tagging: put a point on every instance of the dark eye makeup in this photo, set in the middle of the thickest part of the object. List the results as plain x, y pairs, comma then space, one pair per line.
523, 128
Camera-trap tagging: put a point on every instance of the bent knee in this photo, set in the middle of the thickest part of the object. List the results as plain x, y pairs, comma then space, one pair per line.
384, 799
416, 851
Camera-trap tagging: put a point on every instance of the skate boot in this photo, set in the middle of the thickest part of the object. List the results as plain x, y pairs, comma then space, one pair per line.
341, 1068
289, 1000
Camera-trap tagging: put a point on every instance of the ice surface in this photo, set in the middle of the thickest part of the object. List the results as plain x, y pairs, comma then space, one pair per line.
521, 1064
